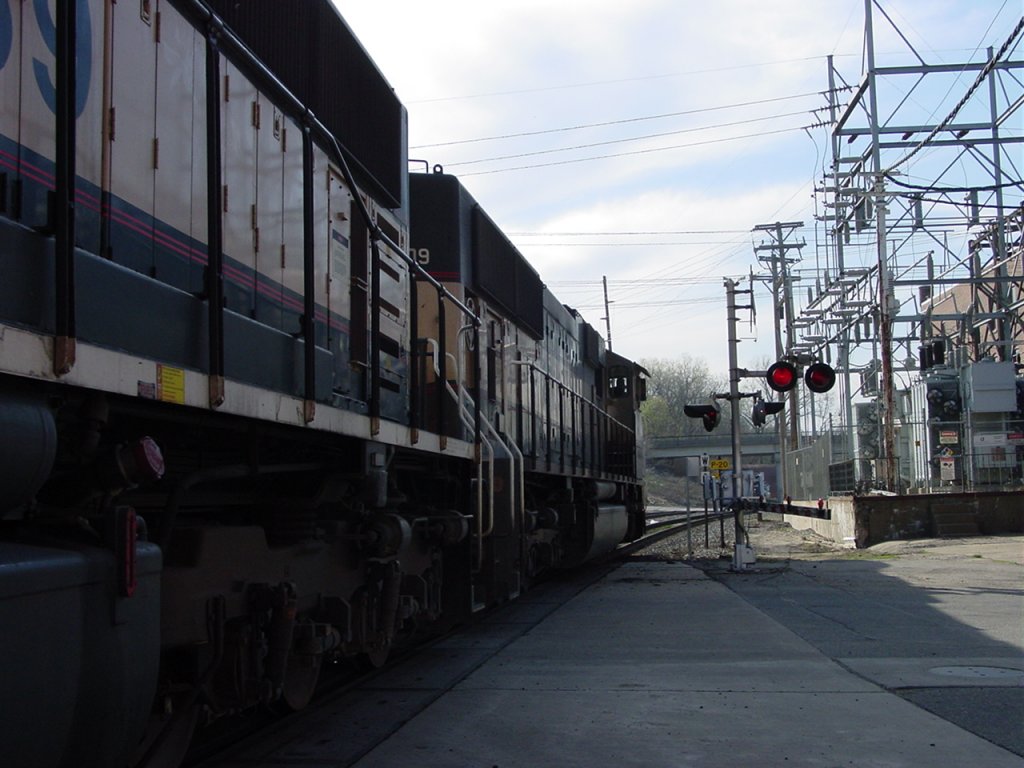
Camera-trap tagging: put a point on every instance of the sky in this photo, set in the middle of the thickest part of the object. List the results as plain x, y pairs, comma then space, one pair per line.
642, 142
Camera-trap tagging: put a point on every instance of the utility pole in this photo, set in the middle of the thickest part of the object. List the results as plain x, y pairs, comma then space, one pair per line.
890, 473
782, 310
607, 313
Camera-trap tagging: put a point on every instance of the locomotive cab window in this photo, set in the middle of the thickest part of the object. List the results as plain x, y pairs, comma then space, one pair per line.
618, 381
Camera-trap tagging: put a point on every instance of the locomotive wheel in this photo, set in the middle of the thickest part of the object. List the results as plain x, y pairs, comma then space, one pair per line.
376, 655
300, 680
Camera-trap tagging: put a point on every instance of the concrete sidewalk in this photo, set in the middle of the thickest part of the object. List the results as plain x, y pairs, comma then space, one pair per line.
908, 657
659, 665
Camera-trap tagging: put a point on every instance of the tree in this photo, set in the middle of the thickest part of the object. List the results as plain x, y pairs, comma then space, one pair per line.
671, 385
659, 421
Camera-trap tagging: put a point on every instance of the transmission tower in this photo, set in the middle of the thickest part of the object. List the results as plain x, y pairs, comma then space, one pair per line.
918, 200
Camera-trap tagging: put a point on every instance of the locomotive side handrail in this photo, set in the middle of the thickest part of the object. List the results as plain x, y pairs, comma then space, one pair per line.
464, 414
436, 350
607, 426
591, 403
214, 277
476, 422
64, 193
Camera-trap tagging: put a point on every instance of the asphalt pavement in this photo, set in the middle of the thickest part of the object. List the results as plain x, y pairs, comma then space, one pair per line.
937, 622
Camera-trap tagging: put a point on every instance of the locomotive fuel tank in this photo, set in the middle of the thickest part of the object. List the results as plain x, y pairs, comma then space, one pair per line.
93, 650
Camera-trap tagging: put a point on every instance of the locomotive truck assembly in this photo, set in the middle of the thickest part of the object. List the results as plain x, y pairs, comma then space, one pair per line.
267, 400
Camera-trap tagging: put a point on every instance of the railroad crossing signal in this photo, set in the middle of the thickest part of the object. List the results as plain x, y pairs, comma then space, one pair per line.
709, 414
783, 375
764, 409
819, 377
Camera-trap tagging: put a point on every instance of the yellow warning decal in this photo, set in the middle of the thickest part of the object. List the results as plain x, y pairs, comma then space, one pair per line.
170, 384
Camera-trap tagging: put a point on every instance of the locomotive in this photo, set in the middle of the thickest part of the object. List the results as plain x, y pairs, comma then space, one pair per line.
268, 400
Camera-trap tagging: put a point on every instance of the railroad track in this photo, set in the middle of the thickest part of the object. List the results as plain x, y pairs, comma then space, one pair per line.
664, 524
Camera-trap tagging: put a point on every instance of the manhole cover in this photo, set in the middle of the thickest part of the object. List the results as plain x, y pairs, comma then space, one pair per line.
979, 672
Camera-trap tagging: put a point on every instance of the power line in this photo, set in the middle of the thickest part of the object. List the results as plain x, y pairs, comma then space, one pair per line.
623, 121
571, 86
712, 263
628, 245
628, 154
634, 282
627, 233
642, 78
609, 142
665, 303
933, 188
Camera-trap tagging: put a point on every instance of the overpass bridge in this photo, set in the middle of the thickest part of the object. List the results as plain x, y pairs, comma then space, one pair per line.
681, 455
756, 447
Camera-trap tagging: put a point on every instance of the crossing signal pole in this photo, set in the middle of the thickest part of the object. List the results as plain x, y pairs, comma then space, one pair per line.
743, 554
782, 376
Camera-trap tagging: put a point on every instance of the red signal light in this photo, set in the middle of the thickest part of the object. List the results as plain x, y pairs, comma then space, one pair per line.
782, 376
711, 419
708, 414
819, 377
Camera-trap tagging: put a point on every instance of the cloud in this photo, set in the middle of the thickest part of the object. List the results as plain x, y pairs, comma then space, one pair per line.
472, 70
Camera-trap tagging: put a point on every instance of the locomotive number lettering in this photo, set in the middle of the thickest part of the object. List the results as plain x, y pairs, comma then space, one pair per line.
421, 256
6, 32
48, 30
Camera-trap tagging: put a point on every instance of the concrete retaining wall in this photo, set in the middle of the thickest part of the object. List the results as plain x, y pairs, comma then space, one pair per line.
865, 520
840, 529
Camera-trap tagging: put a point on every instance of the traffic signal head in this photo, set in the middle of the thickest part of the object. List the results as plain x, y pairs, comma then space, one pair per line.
782, 376
711, 419
765, 408
709, 414
819, 377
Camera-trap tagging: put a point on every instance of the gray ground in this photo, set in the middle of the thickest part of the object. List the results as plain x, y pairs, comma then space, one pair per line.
939, 622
